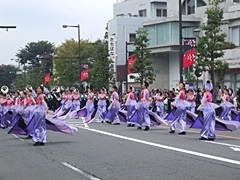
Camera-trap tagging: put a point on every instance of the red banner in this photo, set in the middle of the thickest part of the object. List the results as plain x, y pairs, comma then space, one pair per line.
47, 78
84, 74
189, 57
131, 61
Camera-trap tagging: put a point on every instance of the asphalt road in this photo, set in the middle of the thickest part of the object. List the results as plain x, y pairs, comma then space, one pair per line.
108, 152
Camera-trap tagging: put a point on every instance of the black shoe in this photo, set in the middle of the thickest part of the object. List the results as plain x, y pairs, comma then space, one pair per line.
3, 128
102, 121
108, 122
202, 138
133, 125
210, 139
29, 137
36, 144
146, 128
171, 132
129, 125
116, 124
41, 144
7, 126
182, 133
140, 128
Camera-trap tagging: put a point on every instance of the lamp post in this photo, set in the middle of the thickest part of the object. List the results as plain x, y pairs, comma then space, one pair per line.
79, 53
127, 44
8, 27
197, 72
180, 42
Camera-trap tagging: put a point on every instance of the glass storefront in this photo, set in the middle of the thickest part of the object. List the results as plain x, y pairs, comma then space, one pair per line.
232, 79
168, 33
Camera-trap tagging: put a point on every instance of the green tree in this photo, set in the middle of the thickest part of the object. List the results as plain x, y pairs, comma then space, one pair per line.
211, 45
143, 64
102, 73
8, 75
66, 70
37, 55
189, 77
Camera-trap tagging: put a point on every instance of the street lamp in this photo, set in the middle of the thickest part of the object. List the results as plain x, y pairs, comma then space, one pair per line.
8, 27
196, 32
79, 53
180, 42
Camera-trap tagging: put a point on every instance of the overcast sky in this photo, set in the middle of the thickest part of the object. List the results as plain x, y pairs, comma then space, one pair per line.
43, 19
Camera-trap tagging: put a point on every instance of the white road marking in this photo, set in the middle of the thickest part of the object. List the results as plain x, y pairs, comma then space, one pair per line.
208, 156
223, 144
80, 171
235, 149
18, 137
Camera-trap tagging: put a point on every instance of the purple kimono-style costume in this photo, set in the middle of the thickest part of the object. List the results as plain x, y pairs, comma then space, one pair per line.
89, 104
114, 108
227, 107
180, 114
209, 114
131, 103
191, 100
102, 106
39, 133
143, 108
160, 106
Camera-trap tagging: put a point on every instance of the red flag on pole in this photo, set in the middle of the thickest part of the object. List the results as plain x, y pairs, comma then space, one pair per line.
131, 61
47, 78
84, 74
189, 57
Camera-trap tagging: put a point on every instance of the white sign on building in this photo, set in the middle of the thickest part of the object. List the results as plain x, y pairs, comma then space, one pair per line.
112, 50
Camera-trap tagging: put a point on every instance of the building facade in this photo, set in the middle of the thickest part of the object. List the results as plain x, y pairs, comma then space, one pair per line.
160, 18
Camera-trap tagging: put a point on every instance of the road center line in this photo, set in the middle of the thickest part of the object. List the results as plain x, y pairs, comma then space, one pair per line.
198, 132
80, 171
224, 144
17, 137
166, 147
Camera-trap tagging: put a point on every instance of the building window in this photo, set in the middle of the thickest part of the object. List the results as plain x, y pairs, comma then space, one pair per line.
235, 35
164, 13
191, 6
143, 13
236, 1
132, 37
159, 12
201, 3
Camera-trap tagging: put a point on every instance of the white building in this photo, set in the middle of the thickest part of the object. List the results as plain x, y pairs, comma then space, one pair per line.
160, 18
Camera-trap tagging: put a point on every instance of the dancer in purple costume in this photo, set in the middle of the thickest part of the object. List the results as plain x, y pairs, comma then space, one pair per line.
227, 106
102, 105
39, 131
160, 104
191, 99
114, 107
143, 108
180, 115
209, 114
131, 103
89, 104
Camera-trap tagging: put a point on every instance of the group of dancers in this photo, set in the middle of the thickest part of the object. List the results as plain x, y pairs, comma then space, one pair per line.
26, 114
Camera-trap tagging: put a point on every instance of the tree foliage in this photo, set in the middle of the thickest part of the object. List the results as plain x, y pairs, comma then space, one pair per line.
189, 77
7, 79
66, 71
36, 55
102, 73
143, 64
211, 45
